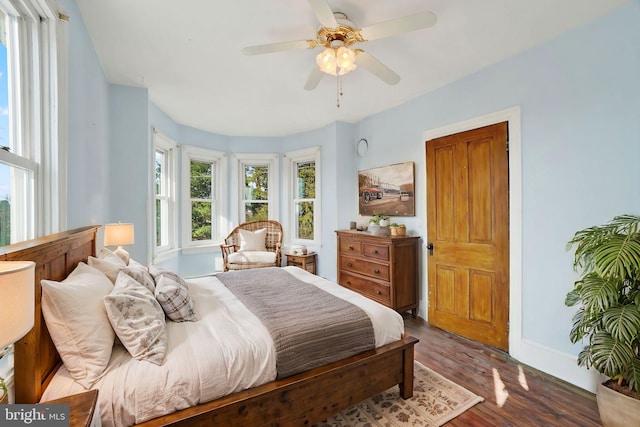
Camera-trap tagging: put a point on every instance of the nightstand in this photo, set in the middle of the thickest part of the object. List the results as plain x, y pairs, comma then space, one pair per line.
305, 262
82, 408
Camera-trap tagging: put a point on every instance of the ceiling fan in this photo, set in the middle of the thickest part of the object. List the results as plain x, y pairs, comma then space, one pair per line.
338, 34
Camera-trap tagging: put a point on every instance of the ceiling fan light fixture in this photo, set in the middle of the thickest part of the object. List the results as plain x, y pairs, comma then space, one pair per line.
336, 61
346, 59
326, 60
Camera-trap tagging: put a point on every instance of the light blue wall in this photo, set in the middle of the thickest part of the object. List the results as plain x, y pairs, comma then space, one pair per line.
88, 128
130, 165
580, 102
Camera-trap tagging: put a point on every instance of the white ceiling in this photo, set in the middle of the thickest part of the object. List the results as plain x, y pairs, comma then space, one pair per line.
188, 54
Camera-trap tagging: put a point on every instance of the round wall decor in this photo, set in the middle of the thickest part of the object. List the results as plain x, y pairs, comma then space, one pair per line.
362, 148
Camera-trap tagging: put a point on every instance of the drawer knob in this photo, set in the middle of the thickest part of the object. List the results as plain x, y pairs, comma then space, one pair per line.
376, 271
348, 282
375, 251
350, 247
349, 264
379, 292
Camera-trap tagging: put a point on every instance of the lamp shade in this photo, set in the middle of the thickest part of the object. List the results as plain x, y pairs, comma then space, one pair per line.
17, 300
119, 234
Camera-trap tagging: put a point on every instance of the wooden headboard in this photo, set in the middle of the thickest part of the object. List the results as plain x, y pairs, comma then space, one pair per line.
56, 255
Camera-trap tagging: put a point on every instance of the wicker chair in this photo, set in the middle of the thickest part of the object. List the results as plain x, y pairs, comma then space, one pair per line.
234, 257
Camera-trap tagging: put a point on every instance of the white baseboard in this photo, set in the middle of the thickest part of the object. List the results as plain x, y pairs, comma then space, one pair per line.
560, 365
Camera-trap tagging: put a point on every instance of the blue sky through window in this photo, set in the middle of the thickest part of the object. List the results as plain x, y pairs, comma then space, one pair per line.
4, 119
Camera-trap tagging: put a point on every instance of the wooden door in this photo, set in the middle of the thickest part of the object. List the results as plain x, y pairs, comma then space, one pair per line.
468, 226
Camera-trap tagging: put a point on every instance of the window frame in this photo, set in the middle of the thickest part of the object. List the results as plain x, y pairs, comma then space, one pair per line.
219, 196
238, 183
163, 143
291, 160
36, 65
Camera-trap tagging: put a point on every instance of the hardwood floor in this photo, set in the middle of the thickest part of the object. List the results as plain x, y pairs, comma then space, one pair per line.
525, 397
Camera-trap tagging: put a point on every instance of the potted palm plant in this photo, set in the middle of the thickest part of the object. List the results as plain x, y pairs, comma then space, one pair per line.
607, 297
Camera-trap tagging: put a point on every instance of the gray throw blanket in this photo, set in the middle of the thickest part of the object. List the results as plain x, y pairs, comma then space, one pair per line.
310, 327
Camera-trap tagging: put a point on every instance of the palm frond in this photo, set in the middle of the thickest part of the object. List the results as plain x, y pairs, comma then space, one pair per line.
573, 296
632, 375
584, 358
589, 240
598, 294
581, 326
618, 257
609, 356
622, 322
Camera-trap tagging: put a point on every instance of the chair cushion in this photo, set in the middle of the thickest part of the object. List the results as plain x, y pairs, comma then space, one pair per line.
253, 240
252, 257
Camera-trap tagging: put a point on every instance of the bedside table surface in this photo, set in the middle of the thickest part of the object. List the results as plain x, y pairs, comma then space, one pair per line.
305, 261
81, 407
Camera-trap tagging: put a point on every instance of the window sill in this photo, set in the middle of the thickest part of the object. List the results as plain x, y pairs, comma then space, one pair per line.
165, 255
204, 249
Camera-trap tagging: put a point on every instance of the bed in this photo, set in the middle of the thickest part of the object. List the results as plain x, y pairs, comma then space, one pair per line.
300, 399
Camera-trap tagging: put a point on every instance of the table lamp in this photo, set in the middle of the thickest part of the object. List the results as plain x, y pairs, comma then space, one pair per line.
120, 234
17, 293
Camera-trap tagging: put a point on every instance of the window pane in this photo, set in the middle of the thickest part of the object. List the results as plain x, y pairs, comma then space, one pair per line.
256, 180
159, 241
304, 215
16, 190
5, 206
159, 171
256, 211
5, 139
201, 220
306, 180
201, 180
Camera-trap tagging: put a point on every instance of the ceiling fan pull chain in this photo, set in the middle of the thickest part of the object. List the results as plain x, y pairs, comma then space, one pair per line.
338, 91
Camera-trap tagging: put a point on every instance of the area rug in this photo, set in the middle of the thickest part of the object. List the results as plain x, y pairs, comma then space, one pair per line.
435, 401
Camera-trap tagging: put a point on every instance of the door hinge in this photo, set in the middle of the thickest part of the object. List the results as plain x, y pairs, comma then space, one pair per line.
507, 145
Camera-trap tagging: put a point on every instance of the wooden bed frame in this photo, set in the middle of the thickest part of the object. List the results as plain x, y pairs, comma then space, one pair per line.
299, 400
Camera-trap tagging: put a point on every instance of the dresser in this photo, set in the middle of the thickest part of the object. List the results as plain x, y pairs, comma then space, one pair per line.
383, 268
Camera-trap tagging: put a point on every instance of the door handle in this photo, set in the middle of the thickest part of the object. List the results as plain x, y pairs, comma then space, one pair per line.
430, 248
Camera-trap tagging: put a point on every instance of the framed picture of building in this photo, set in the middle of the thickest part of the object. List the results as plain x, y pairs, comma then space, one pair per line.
388, 190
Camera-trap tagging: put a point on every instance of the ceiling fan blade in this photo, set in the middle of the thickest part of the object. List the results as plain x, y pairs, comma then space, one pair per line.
377, 68
324, 13
314, 79
277, 47
399, 26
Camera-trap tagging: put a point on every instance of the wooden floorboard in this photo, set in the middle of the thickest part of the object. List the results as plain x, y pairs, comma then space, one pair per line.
524, 396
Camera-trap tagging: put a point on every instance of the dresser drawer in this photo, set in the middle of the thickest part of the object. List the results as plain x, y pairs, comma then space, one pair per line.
380, 252
362, 266
370, 289
350, 247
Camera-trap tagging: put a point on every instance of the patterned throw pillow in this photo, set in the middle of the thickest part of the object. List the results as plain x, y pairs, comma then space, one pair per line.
137, 319
158, 272
174, 298
140, 273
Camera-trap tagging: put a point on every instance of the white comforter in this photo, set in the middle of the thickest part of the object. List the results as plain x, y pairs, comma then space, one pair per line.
226, 351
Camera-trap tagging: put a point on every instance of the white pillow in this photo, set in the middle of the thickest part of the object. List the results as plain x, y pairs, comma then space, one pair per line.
253, 241
108, 254
77, 321
137, 319
110, 265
